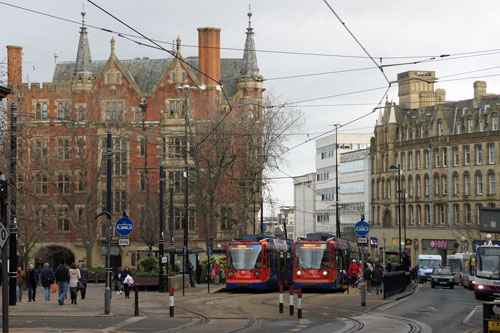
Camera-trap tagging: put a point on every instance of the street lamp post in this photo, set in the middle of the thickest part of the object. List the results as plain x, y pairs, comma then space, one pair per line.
337, 213
171, 222
163, 280
398, 168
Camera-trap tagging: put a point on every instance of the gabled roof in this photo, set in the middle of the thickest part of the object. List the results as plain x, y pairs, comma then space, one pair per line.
148, 72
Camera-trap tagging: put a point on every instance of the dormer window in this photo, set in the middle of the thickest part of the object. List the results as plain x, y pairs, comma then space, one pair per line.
440, 128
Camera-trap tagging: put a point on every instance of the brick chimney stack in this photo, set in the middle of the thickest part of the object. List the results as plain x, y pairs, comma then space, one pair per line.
15, 64
209, 55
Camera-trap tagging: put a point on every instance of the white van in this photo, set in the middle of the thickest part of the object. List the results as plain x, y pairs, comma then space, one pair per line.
426, 263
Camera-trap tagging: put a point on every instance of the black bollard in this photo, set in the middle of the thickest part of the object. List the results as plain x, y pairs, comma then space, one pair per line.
96, 280
281, 299
136, 290
299, 303
291, 301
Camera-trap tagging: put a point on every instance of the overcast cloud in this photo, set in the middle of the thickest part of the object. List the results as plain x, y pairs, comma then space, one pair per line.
385, 28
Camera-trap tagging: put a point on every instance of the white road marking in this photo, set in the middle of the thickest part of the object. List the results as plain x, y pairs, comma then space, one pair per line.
466, 319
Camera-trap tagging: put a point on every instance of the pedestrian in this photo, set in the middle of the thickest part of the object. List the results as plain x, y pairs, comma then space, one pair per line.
84, 279
74, 277
20, 281
378, 274
199, 270
178, 267
47, 278
32, 277
217, 272
128, 281
353, 272
389, 266
367, 275
190, 269
117, 277
62, 280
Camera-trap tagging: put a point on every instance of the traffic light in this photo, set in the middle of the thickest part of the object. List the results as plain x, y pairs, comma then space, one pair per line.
3, 187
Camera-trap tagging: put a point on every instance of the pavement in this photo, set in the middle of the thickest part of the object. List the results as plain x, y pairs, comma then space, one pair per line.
154, 309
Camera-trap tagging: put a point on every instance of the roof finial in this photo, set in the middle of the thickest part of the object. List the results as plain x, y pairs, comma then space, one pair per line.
178, 45
83, 15
249, 17
112, 46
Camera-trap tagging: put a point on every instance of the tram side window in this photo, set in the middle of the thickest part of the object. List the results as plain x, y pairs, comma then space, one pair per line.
272, 259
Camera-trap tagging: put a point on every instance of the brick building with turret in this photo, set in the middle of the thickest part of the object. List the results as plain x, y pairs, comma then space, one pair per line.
62, 127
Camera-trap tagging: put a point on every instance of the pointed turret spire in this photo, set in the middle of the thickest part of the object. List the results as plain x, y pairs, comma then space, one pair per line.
83, 60
379, 122
392, 116
250, 67
178, 45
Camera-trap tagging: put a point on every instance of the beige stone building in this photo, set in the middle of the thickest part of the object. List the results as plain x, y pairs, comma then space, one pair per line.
447, 153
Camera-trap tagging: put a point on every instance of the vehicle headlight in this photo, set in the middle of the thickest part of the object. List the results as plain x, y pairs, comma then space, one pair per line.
480, 286
299, 273
325, 273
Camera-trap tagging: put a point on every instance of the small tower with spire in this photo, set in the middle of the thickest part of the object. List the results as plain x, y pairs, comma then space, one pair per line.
249, 73
82, 77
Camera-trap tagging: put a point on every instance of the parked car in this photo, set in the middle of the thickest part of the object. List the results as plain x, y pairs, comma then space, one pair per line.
442, 276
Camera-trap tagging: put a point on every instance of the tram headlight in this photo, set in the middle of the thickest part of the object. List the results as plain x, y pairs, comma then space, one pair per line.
480, 286
299, 273
325, 273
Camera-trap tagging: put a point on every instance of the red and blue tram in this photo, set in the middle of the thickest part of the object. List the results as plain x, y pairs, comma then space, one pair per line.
321, 262
258, 262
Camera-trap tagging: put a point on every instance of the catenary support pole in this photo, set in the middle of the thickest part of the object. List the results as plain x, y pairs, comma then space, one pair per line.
109, 208
13, 213
163, 280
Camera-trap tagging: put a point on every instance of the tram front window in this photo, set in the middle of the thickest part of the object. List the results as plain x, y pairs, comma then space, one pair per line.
245, 256
312, 256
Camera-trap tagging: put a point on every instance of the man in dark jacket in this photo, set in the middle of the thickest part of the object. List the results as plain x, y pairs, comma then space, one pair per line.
377, 275
62, 279
47, 278
84, 279
33, 277
190, 269
199, 270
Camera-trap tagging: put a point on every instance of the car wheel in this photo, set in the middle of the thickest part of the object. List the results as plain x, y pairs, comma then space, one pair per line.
452, 286
432, 285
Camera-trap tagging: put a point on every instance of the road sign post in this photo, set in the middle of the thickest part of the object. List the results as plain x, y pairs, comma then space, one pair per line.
362, 229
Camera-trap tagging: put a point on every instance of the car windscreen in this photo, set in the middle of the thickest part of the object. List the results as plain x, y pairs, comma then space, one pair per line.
312, 255
429, 263
245, 256
442, 271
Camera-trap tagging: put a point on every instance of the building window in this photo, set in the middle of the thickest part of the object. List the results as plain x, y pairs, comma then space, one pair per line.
176, 177
38, 111
470, 126
82, 181
494, 123
41, 218
142, 147
137, 115
327, 194
456, 214
114, 111
455, 156
410, 186
491, 153
322, 217
440, 128
478, 212
445, 185
176, 147
491, 183
419, 161
62, 219
419, 215
468, 214
427, 185
120, 201
479, 154
467, 155
324, 173
441, 214
422, 132
458, 128
41, 149
427, 214
410, 160
479, 184
120, 161
412, 217
419, 187
427, 159
178, 217
143, 181
403, 160
63, 149
388, 189
445, 157
63, 183
467, 184
456, 190
436, 157
41, 183
437, 184
81, 114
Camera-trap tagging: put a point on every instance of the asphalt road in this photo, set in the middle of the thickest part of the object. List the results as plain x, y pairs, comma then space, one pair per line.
444, 310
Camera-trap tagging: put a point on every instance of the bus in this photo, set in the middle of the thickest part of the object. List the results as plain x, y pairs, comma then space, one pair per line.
487, 272
258, 262
457, 263
469, 272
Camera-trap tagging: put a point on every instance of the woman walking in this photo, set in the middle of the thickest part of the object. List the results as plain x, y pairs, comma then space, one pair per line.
74, 276
128, 281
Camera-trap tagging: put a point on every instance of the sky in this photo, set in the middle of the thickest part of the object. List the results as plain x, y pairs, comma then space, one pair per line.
293, 38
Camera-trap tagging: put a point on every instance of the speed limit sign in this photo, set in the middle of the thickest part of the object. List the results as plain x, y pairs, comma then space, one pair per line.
4, 235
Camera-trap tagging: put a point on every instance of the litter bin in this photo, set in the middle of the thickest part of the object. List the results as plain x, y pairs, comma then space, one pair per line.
491, 317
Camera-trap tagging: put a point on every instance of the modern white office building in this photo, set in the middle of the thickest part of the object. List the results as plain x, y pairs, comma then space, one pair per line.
305, 204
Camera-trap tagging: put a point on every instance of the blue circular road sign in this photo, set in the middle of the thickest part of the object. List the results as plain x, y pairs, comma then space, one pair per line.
362, 228
124, 226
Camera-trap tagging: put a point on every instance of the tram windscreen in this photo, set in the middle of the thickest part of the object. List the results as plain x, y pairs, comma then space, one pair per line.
312, 255
245, 256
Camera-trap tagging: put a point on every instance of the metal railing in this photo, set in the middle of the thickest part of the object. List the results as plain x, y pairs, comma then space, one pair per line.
395, 283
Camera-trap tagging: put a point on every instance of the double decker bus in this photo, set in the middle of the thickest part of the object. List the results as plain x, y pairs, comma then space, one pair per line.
321, 263
258, 262
487, 272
